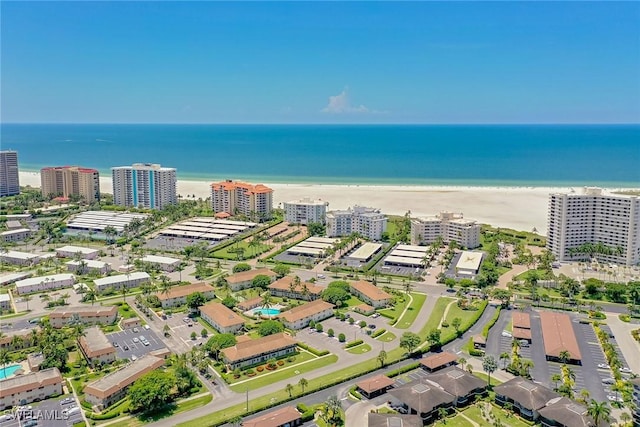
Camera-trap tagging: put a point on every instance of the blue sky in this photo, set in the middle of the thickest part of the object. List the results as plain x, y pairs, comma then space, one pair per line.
273, 62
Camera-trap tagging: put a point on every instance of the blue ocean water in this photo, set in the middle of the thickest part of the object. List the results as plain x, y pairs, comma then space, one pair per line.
509, 155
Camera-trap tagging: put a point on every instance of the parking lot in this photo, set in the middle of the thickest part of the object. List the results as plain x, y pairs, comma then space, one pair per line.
49, 413
131, 340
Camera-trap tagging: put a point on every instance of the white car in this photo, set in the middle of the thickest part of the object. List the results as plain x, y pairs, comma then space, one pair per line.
625, 370
603, 366
507, 334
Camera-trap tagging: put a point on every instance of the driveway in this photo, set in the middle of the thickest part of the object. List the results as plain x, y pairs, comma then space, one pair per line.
137, 349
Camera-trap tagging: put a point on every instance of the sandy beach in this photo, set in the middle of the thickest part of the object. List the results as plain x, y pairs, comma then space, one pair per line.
520, 208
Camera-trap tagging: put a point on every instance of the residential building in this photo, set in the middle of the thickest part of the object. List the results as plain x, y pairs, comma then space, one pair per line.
524, 396
253, 352
17, 235
77, 251
44, 283
449, 227
610, 221
370, 223
223, 319
85, 266
35, 386
35, 360
393, 420
635, 382
178, 294
370, 294
240, 198
96, 347
19, 258
161, 262
423, 399
117, 282
5, 302
244, 279
113, 386
287, 416
300, 316
521, 329
459, 383
87, 314
375, 386
19, 339
69, 181
305, 211
144, 185
247, 305
438, 361
286, 287
564, 412
9, 176
130, 323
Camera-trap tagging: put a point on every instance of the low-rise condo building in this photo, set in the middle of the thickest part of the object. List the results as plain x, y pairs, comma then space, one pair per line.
19, 258
368, 222
17, 340
88, 266
69, 181
77, 251
286, 287
9, 176
244, 279
448, 226
300, 316
593, 223
119, 281
44, 283
144, 185
524, 396
252, 352
305, 211
240, 198
223, 319
178, 294
287, 416
96, 347
112, 387
17, 235
35, 386
87, 314
5, 302
393, 420
161, 262
370, 293
559, 337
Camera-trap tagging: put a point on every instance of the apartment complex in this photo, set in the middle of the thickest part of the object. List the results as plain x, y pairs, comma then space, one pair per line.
368, 222
244, 279
96, 347
447, 225
299, 317
87, 314
144, 184
45, 283
178, 295
223, 319
305, 210
287, 287
9, 177
370, 293
35, 386
119, 281
240, 198
252, 352
67, 181
594, 217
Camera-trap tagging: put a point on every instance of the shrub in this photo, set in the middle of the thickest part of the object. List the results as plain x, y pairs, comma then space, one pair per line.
362, 324
260, 368
319, 327
342, 337
280, 362
353, 343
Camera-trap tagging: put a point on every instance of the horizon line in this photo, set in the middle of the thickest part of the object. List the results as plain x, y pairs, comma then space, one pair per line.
334, 124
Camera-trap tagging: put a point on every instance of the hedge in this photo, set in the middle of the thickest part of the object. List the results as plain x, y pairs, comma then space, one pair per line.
491, 322
407, 368
378, 333
312, 350
353, 343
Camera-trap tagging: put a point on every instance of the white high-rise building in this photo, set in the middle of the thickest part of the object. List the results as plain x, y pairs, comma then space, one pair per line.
595, 217
9, 177
305, 211
448, 225
368, 222
144, 185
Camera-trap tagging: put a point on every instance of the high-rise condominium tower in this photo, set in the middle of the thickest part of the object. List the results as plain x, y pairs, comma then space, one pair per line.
68, 181
144, 185
9, 180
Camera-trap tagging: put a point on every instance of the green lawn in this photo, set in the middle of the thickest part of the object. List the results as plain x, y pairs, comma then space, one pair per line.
352, 302
412, 311
457, 421
360, 349
249, 252
386, 337
125, 312
506, 417
396, 310
483, 376
302, 356
467, 317
183, 406
284, 373
435, 317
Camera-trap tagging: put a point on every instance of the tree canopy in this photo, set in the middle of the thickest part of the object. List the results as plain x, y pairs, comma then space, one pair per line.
243, 266
270, 327
336, 291
409, 341
151, 391
261, 281
195, 300
281, 270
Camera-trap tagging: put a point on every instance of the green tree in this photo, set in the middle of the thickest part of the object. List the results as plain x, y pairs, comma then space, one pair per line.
281, 270
489, 365
456, 322
599, 411
229, 301
409, 341
289, 389
151, 391
270, 327
382, 357
261, 281
303, 383
219, 342
240, 267
315, 229
195, 300
434, 338
336, 293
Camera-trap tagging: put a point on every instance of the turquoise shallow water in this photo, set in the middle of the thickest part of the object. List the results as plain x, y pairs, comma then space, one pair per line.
7, 371
499, 155
267, 311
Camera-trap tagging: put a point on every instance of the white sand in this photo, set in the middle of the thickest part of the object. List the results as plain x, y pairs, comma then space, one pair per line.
520, 208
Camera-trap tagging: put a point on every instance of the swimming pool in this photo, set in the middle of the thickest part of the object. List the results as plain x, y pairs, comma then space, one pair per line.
267, 311
7, 371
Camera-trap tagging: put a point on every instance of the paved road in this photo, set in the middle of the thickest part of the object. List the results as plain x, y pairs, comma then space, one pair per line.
628, 345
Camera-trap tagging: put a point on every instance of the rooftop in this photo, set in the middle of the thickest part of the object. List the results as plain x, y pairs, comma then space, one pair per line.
558, 335
305, 310
244, 276
19, 255
117, 380
393, 420
277, 418
30, 381
43, 279
183, 291
568, 413
248, 349
284, 284
521, 320
457, 382
221, 315
469, 261
370, 290
76, 249
422, 397
376, 383
528, 394
438, 360
95, 343
120, 278
84, 310
159, 259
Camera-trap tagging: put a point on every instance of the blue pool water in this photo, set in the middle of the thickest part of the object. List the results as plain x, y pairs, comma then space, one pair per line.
7, 371
267, 311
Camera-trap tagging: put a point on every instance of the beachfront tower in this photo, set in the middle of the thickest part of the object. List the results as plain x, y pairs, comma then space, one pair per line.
370, 223
594, 224
66, 181
9, 179
144, 185
305, 211
447, 225
239, 198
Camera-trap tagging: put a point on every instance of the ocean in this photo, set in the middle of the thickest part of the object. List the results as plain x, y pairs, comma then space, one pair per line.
469, 155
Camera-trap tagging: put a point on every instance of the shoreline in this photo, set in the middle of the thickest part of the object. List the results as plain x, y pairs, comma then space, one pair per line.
519, 208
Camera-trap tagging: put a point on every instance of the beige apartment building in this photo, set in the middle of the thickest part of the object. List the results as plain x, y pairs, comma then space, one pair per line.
299, 317
178, 295
252, 352
87, 314
96, 347
235, 197
447, 225
67, 181
244, 279
223, 319
370, 293
23, 389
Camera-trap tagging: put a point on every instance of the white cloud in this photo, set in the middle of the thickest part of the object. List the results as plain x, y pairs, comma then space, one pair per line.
340, 104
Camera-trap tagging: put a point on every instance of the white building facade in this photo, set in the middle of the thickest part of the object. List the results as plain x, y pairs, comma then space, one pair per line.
9, 177
144, 184
594, 217
305, 211
447, 225
45, 283
368, 222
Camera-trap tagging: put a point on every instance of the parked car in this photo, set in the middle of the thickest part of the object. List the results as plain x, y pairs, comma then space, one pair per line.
125, 348
147, 327
625, 370
136, 330
507, 334
115, 344
609, 381
135, 339
603, 366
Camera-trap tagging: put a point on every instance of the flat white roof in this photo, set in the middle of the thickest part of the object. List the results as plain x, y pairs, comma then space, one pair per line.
159, 259
304, 251
366, 250
408, 254
36, 280
91, 263
316, 245
13, 277
19, 255
213, 236
76, 249
119, 278
469, 261
414, 262
317, 239
413, 248
5, 297
16, 231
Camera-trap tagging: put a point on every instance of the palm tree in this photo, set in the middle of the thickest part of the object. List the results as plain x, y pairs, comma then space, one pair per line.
556, 378
599, 411
4, 360
489, 365
289, 389
26, 299
505, 358
267, 300
382, 357
564, 356
166, 329
333, 406
303, 383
